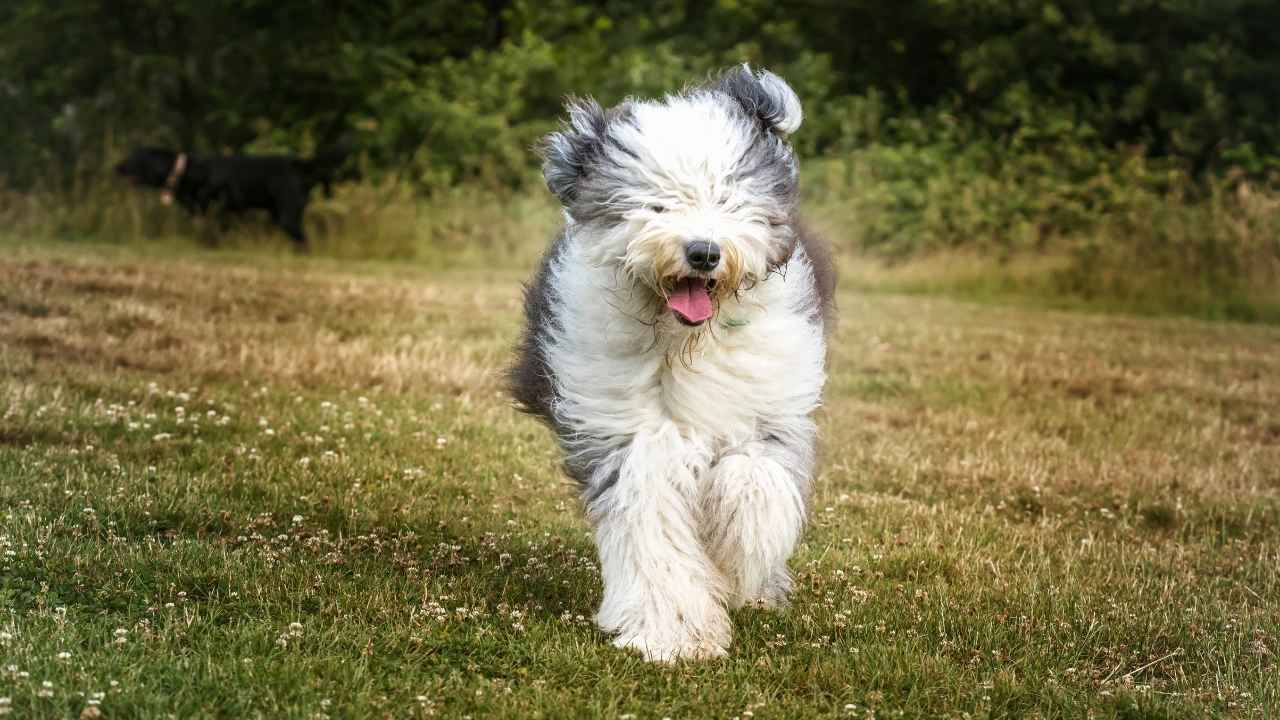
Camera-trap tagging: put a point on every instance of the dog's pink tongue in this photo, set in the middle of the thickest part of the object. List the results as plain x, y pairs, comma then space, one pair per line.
691, 300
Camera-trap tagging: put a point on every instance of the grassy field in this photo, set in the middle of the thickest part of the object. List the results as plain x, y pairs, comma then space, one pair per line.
239, 485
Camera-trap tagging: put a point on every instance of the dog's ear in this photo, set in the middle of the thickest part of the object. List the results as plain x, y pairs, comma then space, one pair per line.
763, 95
568, 154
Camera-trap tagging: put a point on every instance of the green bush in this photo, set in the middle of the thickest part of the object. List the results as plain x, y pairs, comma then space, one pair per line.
456, 90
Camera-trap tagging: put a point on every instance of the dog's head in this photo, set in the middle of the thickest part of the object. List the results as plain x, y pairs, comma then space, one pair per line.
147, 166
692, 196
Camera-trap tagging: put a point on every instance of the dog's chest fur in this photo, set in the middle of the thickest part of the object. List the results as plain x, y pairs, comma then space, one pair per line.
758, 362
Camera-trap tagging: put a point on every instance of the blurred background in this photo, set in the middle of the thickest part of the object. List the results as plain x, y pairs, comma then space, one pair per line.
1108, 153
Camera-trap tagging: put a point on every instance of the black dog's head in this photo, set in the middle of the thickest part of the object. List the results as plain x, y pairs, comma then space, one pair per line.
148, 166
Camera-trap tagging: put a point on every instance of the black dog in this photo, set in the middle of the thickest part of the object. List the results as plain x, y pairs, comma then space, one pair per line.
279, 184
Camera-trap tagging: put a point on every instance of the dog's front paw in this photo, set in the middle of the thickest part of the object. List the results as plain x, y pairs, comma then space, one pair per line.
755, 512
775, 595
696, 631
669, 651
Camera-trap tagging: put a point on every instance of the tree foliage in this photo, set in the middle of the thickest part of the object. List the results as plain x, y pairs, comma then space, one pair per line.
453, 90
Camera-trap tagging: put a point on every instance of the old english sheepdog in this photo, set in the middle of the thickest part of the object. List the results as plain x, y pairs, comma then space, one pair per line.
676, 344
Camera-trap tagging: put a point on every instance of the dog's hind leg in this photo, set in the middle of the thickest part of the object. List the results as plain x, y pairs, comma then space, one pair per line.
293, 228
663, 595
288, 216
754, 511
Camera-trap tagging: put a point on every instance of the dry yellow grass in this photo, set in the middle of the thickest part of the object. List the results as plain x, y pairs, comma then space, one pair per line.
1018, 513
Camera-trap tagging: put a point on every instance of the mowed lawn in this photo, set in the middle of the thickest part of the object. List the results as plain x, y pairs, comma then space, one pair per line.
257, 487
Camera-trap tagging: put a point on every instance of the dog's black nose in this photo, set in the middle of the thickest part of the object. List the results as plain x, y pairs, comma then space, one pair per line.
702, 254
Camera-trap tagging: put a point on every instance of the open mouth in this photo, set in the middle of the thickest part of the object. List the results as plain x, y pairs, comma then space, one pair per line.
690, 300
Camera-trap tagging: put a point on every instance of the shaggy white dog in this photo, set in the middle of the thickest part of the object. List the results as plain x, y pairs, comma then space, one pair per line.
676, 346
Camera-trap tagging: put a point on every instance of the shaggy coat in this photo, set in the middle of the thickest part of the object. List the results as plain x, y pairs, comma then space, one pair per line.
676, 344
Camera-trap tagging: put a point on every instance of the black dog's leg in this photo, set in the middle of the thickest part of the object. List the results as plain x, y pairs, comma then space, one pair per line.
219, 194
288, 215
201, 202
293, 227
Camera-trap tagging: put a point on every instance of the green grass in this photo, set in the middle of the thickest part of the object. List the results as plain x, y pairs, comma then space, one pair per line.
237, 484
1053, 281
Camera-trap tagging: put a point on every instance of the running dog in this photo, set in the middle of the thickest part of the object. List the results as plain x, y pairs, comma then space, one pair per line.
675, 342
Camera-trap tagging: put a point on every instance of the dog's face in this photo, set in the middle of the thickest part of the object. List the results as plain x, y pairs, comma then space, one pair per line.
147, 166
693, 196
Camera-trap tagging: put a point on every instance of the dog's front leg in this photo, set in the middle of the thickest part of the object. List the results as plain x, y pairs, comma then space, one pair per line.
662, 594
755, 510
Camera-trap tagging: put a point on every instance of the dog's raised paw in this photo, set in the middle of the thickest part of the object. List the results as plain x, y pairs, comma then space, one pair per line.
669, 652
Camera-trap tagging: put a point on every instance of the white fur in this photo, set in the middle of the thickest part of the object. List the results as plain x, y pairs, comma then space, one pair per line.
701, 514
779, 89
701, 451
754, 514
